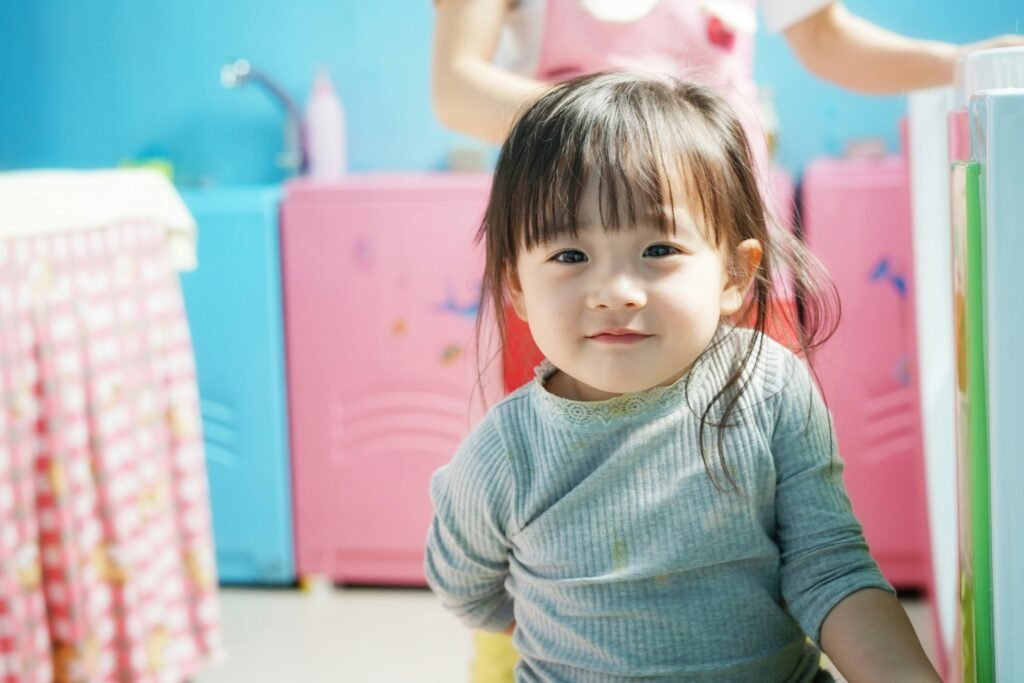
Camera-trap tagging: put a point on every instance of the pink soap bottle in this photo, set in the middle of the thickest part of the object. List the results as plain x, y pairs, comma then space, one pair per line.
325, 130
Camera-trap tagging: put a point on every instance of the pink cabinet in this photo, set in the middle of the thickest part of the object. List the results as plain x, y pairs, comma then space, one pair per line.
381, 286
857, 220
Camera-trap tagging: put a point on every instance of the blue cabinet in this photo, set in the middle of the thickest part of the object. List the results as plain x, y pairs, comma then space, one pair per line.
233, 302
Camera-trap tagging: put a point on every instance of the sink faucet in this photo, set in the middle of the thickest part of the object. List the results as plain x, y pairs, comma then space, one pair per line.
294, 157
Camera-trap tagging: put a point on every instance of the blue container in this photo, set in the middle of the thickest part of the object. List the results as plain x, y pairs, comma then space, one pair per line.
233, 302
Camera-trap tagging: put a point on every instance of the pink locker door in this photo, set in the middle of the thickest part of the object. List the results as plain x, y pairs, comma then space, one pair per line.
857, 220
381, 283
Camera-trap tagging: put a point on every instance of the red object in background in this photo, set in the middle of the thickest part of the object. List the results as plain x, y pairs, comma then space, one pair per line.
719, 34
519, 354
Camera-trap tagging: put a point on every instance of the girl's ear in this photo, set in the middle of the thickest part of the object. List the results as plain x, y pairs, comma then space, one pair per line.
515, 292
744, 264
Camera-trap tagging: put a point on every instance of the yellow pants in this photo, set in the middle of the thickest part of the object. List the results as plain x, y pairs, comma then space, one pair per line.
493, 658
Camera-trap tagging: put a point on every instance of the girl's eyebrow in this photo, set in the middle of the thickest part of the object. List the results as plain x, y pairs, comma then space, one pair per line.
685, 227
561, 238
678, 223
683, 218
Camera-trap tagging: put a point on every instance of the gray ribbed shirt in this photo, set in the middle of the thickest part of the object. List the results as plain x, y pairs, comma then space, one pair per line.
595, 526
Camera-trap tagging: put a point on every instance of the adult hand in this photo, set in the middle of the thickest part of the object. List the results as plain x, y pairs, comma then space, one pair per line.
1006, 40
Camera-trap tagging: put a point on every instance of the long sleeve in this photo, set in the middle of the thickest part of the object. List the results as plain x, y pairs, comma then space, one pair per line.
824, 555
468, 546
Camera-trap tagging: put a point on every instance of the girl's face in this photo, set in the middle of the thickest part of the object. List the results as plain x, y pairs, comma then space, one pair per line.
627, 310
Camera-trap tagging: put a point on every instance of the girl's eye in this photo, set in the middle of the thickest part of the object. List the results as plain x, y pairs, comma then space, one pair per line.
569, 256
661, 250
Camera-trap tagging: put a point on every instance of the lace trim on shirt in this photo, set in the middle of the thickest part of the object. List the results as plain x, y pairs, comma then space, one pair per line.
615, 410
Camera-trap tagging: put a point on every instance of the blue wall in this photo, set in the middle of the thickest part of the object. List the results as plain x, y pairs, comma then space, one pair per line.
92, 83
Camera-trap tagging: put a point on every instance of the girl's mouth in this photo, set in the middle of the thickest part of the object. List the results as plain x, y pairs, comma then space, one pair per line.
619, 336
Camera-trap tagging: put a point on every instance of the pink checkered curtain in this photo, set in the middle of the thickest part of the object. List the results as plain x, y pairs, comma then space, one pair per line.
105, 541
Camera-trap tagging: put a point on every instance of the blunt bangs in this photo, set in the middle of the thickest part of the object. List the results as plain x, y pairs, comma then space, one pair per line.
647, 149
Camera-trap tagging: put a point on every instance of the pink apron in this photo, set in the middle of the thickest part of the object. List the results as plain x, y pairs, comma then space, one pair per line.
688, 39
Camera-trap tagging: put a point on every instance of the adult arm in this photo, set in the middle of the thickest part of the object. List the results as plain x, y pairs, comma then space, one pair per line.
470, 94
853, 53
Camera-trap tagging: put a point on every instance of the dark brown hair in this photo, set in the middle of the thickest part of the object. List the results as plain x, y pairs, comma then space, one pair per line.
641, 139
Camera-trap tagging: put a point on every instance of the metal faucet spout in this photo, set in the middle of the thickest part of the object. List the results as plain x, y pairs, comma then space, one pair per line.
294, 156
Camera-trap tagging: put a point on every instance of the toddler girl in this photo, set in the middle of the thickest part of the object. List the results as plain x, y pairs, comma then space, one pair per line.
664, 502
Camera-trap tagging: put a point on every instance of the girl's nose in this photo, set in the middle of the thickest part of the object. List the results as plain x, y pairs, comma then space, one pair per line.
617, 291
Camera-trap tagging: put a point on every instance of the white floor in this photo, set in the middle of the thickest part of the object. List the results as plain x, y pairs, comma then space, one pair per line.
343, 635
357, 635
